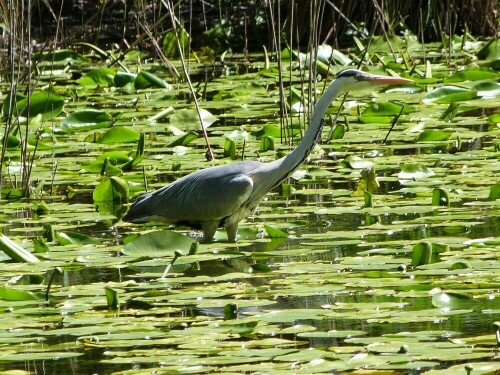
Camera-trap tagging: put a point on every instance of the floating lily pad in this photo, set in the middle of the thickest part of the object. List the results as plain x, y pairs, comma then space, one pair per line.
87, 119
158, 244
119, 134
189, 119
44, 103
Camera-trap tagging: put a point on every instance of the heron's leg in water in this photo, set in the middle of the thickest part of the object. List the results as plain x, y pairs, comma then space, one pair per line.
232, 231
209, 228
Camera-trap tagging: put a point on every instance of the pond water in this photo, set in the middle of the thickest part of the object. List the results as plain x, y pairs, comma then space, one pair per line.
344, 289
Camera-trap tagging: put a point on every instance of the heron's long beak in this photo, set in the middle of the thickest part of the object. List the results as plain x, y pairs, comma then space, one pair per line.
383, 80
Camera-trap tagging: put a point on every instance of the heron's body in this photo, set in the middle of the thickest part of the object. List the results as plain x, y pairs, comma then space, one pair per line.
226, 194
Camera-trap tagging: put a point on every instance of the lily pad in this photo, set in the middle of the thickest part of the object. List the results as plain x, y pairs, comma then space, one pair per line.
119, 134
158, 244
189, 119
86, 119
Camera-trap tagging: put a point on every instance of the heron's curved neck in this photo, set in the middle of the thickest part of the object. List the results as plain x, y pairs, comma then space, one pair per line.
291, 162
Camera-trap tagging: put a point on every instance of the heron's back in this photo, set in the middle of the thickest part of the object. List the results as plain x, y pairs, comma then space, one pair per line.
206, 195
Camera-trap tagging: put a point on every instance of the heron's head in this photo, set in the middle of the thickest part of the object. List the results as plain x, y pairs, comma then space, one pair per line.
353, 79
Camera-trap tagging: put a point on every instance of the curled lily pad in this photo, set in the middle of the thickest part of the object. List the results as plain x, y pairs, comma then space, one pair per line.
411, 171
275, 232
111, 189
170, 46
184, 139
69, 237
103, 76
123, 78
494, 192
87, 119
450, 94
12, 142
16, 252
145, 79
45, 103
431, 135
487, 89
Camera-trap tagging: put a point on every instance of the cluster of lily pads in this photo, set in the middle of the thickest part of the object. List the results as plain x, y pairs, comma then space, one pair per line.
380, 253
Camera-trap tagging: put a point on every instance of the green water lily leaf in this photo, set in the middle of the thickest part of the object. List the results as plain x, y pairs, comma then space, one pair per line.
490, 51
338, 132
189, 119
368, 183
12, 142
422, 254
384, 109
238, 135
462, 96
6, 104
432, 135
248, 88
112, 189
184, 139
444, 91
230, 149
123, 78
440, 197
487, 89
414, 171
170, 46
268, 130
103, 166
158, 244
48, 355
275, 232
356, 162
87, 119
126, 167
382, 112
452, 301
119, 134
40, 208
450, 112
70, 237
259, 268
112, 298
494, 192
114, 157
103, 76
494, 119
44, 103
339, 57
10, 294
266, 144
471, 75
145, 79
16, 252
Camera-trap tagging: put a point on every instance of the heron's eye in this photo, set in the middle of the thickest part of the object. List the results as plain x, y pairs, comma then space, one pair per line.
358, 77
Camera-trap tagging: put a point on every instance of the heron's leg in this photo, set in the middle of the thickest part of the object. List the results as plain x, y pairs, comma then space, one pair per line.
209, 229
232, 231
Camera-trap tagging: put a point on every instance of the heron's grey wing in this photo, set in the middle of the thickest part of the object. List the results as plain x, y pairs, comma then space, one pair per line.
206, 198
206, 195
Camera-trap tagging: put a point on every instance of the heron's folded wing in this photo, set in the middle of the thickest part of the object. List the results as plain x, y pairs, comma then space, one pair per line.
202, 197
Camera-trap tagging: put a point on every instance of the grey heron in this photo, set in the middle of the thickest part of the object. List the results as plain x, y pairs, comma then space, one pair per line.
223, 195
